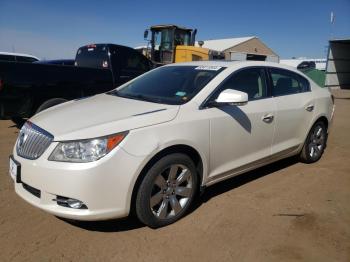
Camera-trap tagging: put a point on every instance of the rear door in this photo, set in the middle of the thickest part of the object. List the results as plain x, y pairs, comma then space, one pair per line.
294, 109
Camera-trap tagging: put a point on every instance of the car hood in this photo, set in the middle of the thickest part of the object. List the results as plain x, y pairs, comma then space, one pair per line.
101, 115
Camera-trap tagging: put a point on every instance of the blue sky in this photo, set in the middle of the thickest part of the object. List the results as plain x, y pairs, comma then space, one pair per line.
55, 29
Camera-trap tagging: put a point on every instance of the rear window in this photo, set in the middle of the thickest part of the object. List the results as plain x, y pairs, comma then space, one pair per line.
287, 82
95, 56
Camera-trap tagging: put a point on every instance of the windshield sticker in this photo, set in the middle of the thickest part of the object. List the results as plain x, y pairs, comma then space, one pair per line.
211, 68
180, 93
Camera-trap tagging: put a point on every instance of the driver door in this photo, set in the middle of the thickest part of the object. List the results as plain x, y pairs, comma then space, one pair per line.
241, 136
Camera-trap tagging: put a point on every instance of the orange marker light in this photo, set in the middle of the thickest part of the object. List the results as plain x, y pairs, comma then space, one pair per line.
113, 141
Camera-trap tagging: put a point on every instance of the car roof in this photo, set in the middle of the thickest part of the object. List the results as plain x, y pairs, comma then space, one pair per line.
229, 64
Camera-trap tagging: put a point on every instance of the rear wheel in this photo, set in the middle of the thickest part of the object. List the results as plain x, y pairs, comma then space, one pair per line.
315, 143
167, 191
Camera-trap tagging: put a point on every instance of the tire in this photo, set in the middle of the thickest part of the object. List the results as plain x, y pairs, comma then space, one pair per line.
50, 103
19, 121
167, 191
315, 143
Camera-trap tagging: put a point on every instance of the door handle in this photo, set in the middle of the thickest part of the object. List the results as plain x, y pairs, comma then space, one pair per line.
309, 107
267, 118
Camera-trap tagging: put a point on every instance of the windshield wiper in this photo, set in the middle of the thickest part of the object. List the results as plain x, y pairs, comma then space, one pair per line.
139, 97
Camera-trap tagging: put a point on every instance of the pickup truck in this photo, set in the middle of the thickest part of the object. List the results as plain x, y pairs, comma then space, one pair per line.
28, 88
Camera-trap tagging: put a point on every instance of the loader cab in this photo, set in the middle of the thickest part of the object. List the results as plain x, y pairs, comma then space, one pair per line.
165, 39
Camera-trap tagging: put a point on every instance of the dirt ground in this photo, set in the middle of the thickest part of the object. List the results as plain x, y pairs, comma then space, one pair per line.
287, 211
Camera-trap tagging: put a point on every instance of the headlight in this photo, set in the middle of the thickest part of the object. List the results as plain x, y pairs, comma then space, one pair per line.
88, 150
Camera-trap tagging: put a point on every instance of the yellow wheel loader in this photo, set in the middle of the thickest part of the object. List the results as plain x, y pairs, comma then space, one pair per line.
174, 44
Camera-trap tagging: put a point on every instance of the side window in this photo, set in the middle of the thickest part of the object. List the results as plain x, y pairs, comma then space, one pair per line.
251, 81
287, 83
136, 61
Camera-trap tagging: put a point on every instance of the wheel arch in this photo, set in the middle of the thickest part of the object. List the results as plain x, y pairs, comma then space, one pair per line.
179, 148
323, 119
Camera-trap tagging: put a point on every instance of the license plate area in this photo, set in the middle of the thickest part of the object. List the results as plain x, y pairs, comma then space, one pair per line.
15, 170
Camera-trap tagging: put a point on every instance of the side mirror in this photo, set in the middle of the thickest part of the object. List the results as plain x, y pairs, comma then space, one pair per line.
232, 97
145, 34
200, 43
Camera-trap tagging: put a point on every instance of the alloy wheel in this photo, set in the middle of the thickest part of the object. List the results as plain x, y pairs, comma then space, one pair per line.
171, 191
317, 142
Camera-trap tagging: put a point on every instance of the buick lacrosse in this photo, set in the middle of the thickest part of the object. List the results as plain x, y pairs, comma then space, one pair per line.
153, 143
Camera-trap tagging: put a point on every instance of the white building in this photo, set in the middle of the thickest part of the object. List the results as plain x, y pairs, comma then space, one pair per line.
242, 48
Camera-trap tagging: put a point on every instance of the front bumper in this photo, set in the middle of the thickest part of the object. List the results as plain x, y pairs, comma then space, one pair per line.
104, 186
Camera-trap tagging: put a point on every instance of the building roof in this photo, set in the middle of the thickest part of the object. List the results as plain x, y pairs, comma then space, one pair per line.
223, 44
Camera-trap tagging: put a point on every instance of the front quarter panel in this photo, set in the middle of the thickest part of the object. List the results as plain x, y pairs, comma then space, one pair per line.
187, 129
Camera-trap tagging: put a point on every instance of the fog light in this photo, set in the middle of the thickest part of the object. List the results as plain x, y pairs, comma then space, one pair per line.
70, 202
73, 203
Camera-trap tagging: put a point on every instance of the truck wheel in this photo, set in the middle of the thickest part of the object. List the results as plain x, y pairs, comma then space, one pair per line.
19, 121
49, 103
167, 191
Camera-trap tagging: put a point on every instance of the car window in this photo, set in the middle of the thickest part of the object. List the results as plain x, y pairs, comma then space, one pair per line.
137, 62
286, 82
251, 81
169, 84
95, 56
129, 60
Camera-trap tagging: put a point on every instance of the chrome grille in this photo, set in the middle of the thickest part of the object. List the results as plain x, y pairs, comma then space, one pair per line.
32, 141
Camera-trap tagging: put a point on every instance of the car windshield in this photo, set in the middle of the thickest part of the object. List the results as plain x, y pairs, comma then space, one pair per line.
169, 85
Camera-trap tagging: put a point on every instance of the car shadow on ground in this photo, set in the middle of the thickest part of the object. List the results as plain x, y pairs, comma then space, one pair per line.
245, 178
113, 225
131, 222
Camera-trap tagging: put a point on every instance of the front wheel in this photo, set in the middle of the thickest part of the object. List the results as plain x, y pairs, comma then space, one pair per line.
315, 143
167, 191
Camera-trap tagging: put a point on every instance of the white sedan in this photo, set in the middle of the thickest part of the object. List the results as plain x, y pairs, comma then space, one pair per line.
153, 143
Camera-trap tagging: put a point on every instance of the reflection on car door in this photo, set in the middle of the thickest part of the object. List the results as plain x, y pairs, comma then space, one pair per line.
241, 135
294, 109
